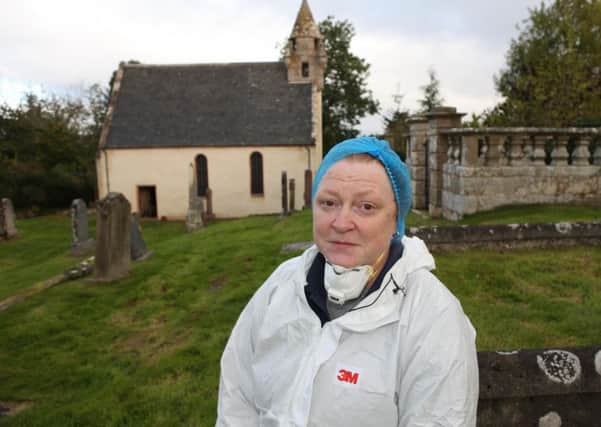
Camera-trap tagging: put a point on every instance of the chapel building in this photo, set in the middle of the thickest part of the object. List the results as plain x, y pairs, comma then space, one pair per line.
236, 125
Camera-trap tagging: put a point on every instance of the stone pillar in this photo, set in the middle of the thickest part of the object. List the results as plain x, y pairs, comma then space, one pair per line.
538, 154
416, 159
113, 238
581, 154
597, 154
139, 251
469, 150
194, 219
516, 153
209, 212
81, 244
560, 155
8, 226
308, 188
292, 193
284, 194
438, 119
495, 153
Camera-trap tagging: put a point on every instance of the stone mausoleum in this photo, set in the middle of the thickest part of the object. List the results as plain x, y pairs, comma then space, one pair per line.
240, 125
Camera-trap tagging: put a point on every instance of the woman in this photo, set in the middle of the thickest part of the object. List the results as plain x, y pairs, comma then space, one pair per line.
356, 331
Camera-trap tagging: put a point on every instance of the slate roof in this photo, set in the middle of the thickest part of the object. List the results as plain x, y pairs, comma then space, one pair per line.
210, 105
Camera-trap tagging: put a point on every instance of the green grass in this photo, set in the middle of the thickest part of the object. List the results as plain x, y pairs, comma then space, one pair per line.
516, 215
144, 351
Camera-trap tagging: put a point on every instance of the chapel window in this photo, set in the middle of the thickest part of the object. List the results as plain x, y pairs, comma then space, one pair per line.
202, 175
256, 173
305, 69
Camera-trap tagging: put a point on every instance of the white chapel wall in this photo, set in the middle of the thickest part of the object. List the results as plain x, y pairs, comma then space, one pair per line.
228, 177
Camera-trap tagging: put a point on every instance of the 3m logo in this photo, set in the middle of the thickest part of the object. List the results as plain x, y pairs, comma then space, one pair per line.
348, 376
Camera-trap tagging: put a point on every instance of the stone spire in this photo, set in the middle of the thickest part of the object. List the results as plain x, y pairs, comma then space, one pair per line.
305, 53
305, 24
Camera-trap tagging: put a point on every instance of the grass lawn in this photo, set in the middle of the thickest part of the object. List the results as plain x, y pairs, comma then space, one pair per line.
145, 351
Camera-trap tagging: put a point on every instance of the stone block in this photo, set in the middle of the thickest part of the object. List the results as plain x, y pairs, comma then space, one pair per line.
139, 251
81, 244
113, 238
418, 172
8, 226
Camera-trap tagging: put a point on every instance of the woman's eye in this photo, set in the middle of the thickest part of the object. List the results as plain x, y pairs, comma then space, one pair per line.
327, 203
367, 206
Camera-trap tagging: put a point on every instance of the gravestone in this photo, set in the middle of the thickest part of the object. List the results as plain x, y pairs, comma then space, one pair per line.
284, 194
81, 245
291, 193
307, 191
8, 228
195, 206
138, 246
113, 238
209, 209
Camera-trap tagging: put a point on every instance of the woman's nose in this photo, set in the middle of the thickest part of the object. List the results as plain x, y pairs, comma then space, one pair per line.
343, 220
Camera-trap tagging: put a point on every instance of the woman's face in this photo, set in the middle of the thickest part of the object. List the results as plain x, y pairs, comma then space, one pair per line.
354, 216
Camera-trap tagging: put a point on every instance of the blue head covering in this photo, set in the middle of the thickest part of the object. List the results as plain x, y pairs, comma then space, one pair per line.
397, 171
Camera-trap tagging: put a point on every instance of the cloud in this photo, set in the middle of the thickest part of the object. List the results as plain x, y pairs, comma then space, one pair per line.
63, 44
464, 67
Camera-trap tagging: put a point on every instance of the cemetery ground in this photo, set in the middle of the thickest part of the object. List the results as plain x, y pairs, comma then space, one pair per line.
145, 350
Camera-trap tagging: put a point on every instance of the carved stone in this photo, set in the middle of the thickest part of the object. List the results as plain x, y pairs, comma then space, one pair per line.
292, 189
139, 251
81, 244
284, 194
538, 154
113, 238
560, 155
8, 227
517, 155
195, 212
581, 154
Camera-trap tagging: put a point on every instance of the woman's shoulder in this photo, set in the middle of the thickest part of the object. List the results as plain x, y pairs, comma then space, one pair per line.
429, 295
290, 273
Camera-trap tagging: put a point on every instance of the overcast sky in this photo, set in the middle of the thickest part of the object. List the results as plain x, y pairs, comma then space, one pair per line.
63, 46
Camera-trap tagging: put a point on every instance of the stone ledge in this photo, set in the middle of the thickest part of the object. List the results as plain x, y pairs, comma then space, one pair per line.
509, 235
531, 387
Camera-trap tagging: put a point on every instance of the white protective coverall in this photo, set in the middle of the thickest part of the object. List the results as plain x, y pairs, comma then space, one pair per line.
405, 356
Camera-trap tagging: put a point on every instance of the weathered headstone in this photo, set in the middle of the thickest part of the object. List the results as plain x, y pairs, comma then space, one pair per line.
308, 189
195, 206
8, 227
81, 245
284, 194
113, 238
138, 246
292, 191
209, 210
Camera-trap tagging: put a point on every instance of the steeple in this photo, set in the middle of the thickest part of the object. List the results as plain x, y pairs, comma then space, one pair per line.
305, 24
305, 53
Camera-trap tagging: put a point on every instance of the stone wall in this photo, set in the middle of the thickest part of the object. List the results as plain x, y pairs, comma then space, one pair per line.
492, 167
467, 190
545, 388
458, 171
509, 236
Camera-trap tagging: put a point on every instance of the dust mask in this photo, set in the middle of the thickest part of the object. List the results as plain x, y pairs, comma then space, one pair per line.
343, 284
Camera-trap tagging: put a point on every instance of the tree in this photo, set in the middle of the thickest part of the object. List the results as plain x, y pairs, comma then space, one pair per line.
345, 97
431, 93
553, 72
396, 130
47, 151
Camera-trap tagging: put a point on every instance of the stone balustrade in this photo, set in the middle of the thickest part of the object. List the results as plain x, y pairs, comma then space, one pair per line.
490, 167
457, 171
523, 146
